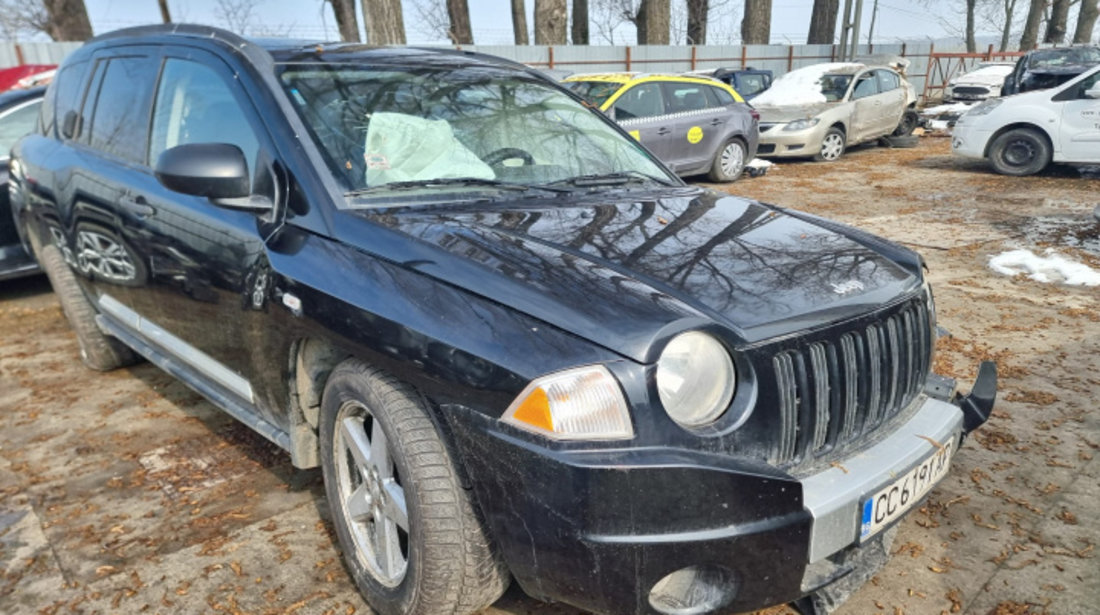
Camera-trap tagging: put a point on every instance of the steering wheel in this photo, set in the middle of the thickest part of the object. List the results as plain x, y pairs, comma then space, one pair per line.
508, 153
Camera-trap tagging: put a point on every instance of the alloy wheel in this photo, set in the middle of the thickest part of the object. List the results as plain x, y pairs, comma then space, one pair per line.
104, 256
371, 496
733, 159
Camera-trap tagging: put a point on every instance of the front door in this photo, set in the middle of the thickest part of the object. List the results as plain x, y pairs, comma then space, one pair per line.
1080, 129
640, 110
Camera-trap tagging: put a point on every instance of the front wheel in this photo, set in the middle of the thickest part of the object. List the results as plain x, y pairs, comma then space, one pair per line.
412, 540
729, 162
832, 146
1021, 151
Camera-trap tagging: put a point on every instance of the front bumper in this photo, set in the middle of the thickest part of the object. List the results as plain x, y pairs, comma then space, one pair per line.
598, 529
778, 143
968, 140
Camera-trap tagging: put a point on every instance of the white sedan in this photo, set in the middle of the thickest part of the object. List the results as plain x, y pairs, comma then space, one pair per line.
1022, 134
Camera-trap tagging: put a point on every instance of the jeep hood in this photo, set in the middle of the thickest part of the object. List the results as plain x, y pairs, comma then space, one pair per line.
623, 271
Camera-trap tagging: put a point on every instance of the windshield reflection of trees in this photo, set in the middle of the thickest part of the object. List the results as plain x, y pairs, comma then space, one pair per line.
733, 256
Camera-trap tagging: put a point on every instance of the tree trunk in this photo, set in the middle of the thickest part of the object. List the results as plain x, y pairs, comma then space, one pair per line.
653, 22
1056, 27
1086, 21
165, 16
823, 22
756, 26
458, 11
384, 22
346, 22
519, 22
68, 20
579, 33
550, 22
1006, 32
697, 11
971, 43
1030, 37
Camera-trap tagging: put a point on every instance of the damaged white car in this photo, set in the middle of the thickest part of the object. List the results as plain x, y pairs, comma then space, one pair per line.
821, 110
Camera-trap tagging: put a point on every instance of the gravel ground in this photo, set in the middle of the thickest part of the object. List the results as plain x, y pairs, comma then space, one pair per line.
126, 492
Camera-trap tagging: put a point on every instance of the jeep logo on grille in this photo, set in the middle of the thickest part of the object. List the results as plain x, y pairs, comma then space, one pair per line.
844, 288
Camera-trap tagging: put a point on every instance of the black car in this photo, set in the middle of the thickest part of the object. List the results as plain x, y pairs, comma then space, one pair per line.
516, 344
18, 116
1042, 69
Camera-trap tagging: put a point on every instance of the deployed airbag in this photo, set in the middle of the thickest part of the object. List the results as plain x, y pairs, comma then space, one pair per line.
403, 147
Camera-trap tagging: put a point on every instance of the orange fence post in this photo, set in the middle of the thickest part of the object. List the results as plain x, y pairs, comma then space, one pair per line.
551, 51
693, 57
790, 58
744, 53
19, 55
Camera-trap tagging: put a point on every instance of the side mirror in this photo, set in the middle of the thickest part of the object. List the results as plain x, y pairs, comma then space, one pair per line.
1093, 93
212, 170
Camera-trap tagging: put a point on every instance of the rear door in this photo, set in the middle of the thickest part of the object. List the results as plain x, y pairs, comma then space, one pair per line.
696, 117
1079, 132
894, 100
641, 111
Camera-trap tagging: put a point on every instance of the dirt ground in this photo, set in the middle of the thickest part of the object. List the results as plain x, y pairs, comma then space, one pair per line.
126, 492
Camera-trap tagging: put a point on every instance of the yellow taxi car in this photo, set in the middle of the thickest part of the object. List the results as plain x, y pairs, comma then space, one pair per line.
693, 124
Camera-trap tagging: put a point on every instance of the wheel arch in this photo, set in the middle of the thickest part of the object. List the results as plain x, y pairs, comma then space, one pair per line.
1013, 126
311, 361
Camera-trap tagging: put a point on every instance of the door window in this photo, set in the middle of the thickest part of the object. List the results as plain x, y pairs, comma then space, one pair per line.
683, 97
195, 105
120, 123
640, 101
16, 123
887, 80
866, 86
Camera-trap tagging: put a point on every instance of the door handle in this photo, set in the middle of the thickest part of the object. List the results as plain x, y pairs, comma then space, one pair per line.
716, 122
662, 131
138, 206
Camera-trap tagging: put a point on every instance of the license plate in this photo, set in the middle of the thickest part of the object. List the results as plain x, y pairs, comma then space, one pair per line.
893, 500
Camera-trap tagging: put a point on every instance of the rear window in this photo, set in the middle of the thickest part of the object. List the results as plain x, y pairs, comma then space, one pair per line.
120, 121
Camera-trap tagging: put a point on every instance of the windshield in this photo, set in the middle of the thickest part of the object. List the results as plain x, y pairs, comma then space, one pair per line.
595, 92
440, 128
1064, 57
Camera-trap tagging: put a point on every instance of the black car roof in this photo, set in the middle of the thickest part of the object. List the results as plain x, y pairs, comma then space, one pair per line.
281, 50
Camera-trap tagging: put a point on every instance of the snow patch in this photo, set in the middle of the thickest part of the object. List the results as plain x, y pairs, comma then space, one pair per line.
801, 86
941, 109
760, 163
1049, 268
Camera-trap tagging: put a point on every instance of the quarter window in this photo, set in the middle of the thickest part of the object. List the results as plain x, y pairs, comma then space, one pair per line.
640, 101
120, 122
723, 97
195, 105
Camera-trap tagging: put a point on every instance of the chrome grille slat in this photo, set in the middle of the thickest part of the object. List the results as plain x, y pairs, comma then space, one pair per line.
833, 392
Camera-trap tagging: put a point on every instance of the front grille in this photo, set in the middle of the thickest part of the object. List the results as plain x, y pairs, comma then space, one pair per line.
968, 90
831, 393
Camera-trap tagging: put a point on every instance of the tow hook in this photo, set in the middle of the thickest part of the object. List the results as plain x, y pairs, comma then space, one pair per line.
978, 405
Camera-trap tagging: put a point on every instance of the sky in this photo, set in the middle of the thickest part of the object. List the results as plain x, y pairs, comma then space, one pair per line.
491, 19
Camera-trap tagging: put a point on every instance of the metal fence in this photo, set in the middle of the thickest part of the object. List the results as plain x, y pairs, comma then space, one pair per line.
649, 58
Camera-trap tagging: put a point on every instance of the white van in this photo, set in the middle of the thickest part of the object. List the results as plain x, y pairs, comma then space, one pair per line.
1022, 134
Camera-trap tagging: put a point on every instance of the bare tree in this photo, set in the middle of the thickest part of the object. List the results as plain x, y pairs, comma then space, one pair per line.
165, 16
384, 22
1035, 12
550, 22
756, 26
609, 15
19, 17
346, 21
519, 21
1000, 15
1056, 26
579, 31
823, 22
698, 12
458, 12
1086, 21
235, 15
653, 21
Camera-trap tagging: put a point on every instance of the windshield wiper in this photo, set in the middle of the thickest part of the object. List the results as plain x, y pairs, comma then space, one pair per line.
452, 181
616, 178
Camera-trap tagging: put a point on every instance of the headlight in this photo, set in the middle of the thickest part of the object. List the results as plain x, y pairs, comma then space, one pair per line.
695, 379
985, 107
577, 404
802, 124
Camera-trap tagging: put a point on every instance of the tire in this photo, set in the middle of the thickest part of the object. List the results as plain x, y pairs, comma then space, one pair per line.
1020, 151
908, 123
98, 350
442, 561
832, 145
729, 162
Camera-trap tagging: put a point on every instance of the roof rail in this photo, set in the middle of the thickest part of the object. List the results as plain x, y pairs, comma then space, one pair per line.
185, 29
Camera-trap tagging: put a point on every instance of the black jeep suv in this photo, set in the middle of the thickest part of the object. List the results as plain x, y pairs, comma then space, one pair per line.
517, 345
